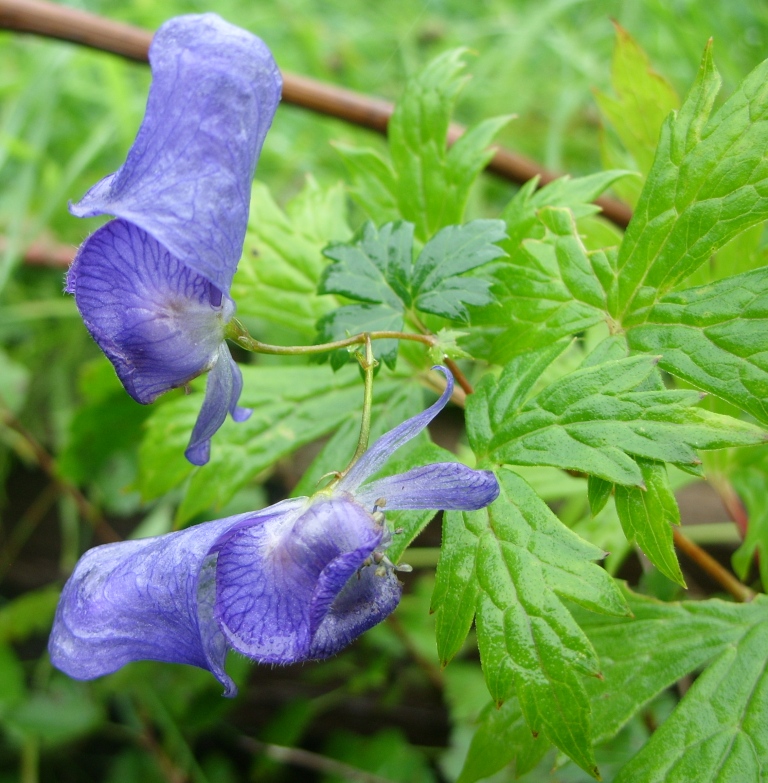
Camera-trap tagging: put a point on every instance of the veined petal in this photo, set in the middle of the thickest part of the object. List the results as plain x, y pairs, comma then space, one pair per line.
378, 454
187, 178
158, 322
448, 486
222, 390
138, 600
287, 590
151, 599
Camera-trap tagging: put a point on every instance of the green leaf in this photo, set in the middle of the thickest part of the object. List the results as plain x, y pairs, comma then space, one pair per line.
577, 195
502, 736
664, 641
717, 730
552, 288
598, 492
593, 420
513, 562
282, 262
374, 267
647, 515
643, 101
751, 484
438, 283
27, 615
377, 268
714, 336
708, 183
291, 406
354, 319
425, 182
375, 182
14, 382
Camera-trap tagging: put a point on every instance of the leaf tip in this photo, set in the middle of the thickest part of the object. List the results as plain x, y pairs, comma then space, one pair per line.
499, 703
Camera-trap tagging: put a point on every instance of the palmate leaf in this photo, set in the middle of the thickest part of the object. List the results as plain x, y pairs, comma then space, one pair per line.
717, 732
715, 336
549, 289
595, 420
378, 268
709, 182
282, 260
424, 181
291, 406
510, 564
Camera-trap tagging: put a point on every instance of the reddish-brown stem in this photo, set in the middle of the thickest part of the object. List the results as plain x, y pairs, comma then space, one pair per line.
708, 563
461, 379
70, 24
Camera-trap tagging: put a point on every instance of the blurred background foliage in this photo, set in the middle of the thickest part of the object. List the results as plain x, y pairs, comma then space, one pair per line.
67, 118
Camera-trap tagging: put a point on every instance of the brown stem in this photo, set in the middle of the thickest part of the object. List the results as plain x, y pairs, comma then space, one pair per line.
46, 462
70, 24
461, 379
708, 563
305, 759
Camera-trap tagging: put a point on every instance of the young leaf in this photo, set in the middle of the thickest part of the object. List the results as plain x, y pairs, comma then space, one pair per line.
647, 515
707, 184
594, 420
577, 195
282, 262
643, 101
715, 336
425, 183
511, 563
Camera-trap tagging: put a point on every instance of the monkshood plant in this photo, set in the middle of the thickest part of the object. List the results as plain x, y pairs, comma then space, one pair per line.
583, 359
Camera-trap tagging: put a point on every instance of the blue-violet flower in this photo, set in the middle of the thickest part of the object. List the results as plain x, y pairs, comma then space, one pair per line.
153, 285
296, 581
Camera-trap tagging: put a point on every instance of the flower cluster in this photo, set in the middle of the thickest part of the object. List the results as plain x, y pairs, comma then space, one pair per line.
153, 285
296, 581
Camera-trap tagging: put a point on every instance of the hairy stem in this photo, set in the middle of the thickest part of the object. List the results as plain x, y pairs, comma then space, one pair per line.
239, 334
368, 363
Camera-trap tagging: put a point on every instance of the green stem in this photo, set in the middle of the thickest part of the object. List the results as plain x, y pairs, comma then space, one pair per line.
368, 363
239, 334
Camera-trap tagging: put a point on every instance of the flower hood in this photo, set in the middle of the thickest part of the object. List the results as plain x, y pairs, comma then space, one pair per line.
153, 285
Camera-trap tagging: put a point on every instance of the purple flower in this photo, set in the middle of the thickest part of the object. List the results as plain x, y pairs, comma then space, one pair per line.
296, 581
153, 285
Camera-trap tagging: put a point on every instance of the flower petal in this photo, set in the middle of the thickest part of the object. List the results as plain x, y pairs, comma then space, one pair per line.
153, 317
287, 590
139, 600
187, 178
448, 486
222, 390
377, 455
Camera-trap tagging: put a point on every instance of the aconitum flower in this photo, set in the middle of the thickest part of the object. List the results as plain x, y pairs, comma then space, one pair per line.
296, 581
153, 285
